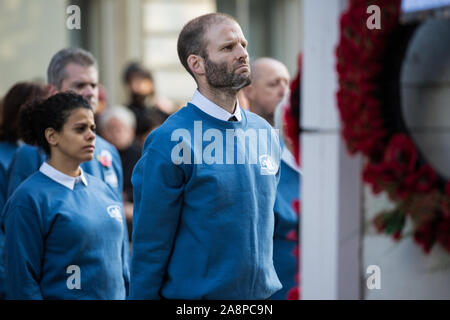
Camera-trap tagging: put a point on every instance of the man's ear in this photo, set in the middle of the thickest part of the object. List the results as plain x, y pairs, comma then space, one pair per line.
52, 90
196, 64
52, 136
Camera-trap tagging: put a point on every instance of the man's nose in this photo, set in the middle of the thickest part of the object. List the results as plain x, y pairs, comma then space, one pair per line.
242, 53
282, 90
88, 92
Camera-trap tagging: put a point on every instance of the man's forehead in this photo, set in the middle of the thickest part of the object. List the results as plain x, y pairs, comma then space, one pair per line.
77, 72
224, 30
269, 68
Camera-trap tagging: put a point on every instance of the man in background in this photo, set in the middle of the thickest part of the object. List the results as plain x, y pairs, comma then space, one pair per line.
270, 84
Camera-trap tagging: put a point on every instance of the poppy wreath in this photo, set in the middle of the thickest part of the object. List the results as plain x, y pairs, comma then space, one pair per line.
368, 98
291, 121
291, 116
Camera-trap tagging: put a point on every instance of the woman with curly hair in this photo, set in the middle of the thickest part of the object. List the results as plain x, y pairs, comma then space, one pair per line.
63, 228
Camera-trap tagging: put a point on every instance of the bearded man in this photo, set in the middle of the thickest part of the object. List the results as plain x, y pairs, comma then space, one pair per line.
203, 211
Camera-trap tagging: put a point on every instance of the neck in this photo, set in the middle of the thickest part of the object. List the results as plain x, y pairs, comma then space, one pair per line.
65, 165
225, 99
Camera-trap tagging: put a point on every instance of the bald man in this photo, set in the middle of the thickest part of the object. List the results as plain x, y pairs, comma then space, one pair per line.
270, 83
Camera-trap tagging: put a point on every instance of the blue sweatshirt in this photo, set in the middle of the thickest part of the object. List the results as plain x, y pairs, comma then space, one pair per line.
2, 187
62, 243
286, 230
204, 230
2, 203
7, 150
28, 159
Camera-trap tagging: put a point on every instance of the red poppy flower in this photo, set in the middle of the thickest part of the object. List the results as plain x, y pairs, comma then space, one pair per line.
401, 152
292, 235
423, 180
293, 294
295, 204
425, 236
443, 233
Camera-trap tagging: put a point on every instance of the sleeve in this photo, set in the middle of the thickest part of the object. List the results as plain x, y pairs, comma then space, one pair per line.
23, 165
158, 186
2, 269
2, 187
125, 263
117, 166
23, 253
2, 203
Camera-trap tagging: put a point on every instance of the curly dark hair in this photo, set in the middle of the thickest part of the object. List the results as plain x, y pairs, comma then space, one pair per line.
18, 95
53, 112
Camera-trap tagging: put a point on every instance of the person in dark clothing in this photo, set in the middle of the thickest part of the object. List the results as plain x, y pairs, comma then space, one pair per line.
146, 108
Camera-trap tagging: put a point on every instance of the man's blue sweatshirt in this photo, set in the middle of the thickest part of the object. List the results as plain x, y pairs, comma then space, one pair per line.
203, 226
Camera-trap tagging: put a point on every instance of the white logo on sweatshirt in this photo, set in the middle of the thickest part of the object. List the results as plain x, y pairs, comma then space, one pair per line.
268, 166
115, 212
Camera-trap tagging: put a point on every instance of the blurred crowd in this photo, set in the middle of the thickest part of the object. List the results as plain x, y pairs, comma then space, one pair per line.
125, 126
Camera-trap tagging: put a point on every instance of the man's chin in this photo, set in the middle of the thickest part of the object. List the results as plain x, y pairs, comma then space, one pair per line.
242, 84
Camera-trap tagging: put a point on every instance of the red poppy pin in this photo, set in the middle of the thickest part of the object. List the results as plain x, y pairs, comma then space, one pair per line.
105, 158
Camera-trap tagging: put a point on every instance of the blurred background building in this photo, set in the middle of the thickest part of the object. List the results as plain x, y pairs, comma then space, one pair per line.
117, 31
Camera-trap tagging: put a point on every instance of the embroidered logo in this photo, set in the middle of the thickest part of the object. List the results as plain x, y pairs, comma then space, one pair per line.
268, 166
105, 158
115, 212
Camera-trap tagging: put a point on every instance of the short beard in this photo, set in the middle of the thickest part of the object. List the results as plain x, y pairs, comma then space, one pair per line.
218, 76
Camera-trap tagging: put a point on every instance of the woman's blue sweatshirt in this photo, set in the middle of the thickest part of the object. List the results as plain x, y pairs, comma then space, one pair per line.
28, 159
55, 236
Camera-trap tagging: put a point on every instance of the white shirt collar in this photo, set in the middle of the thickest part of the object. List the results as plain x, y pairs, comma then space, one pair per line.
289, 159
64, 179
209, 107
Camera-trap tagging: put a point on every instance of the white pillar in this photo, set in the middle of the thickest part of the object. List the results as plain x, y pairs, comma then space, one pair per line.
331, 182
